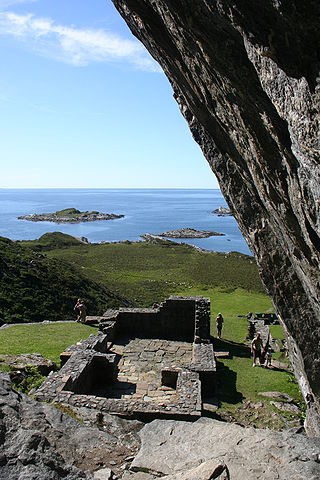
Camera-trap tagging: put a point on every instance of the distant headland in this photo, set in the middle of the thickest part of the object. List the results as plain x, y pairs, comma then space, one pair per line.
70, 215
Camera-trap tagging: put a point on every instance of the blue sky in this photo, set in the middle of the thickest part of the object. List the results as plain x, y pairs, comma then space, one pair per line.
84, 105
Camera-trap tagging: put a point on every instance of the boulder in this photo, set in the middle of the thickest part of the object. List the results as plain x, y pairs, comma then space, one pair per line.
183, 450
38, 441
103, 474
25, 449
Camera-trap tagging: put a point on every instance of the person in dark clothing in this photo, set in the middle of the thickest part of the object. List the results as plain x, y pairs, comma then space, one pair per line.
219, 323
256, 349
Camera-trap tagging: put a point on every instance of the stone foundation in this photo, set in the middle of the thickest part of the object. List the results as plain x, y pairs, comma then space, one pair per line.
138, 365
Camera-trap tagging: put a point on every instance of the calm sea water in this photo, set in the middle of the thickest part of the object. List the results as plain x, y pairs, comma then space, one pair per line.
146, 211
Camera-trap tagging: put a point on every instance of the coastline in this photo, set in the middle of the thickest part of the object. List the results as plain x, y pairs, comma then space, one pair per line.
145, 210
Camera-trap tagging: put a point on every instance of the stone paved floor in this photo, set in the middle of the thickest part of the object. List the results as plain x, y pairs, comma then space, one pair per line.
140, 365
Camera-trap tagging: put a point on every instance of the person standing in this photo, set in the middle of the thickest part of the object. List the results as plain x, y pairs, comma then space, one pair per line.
81, 310
219, 323
256, 348
268, 357
76, 309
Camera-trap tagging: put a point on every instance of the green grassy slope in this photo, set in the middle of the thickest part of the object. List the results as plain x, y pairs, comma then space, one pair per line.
47, 339
147, 273
238, 381
34, 287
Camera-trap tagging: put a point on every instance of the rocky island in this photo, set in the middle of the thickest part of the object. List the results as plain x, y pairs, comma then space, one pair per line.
190, 233
222, 211
70, 215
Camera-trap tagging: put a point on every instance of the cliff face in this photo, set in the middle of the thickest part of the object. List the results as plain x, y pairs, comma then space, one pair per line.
244, 74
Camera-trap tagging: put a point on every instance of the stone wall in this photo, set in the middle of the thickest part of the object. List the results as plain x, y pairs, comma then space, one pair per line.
79, 379
177, 318
202, 321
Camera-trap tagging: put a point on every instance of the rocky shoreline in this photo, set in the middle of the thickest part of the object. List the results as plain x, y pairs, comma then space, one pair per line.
190, 233
70, 215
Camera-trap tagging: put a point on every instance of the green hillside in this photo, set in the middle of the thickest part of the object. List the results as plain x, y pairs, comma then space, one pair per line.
34, 287
41, 279
146, 273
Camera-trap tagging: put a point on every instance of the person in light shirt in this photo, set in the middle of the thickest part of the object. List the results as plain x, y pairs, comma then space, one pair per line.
256, 349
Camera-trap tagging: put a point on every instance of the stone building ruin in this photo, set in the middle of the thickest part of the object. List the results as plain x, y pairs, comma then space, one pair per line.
152, 362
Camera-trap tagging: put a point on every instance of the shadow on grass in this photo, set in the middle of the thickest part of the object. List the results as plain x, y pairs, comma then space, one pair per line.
227, 378
227, 381
235, 349
279, 369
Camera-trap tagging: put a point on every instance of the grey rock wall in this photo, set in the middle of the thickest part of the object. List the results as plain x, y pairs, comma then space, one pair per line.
245, 76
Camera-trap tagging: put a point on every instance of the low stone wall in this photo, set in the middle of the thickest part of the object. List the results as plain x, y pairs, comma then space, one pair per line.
80, 376
178, 318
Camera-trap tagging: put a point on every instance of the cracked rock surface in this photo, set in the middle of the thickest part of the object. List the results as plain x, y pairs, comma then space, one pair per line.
246, 78
39, 442
186, 451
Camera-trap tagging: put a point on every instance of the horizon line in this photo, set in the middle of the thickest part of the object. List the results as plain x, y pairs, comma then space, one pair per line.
109, 188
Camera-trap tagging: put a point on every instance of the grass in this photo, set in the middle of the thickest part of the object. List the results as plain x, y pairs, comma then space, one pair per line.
238, 381
277, 334
147, 273
47, 339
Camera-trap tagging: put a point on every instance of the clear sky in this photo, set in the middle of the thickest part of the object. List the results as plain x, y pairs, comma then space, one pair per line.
84, 105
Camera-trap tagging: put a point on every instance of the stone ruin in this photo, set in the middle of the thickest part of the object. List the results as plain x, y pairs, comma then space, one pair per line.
151, 362
259, 322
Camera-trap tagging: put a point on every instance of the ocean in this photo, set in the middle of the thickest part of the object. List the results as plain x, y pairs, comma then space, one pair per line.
146, 211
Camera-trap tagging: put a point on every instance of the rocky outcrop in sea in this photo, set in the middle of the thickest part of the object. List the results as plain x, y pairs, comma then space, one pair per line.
190, 233
222, 211
70, 215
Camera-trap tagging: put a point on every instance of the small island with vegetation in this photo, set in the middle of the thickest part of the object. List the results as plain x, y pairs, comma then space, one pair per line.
189, 233
70, 215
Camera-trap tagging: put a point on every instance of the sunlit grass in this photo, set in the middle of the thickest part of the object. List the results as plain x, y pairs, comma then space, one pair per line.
47, 339
238, 380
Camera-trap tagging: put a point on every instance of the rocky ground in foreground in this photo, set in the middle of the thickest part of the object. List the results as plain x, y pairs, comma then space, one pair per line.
38, 441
